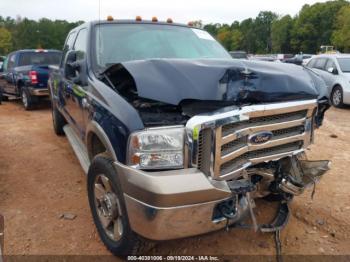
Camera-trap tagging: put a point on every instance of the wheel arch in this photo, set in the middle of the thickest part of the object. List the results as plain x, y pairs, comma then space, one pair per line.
336, 85
19, 85
96, 134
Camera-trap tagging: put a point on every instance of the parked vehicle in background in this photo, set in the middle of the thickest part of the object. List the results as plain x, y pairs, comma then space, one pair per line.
307, 58
25, 74
335, 71
239, 54
283, 57
2, 59
266, 58
142, 103
298, 59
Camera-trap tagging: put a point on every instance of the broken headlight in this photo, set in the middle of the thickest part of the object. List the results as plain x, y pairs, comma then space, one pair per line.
158, 148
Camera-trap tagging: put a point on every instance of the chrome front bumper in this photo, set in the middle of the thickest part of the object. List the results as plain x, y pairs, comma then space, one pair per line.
171, 204
39, 91
171, 223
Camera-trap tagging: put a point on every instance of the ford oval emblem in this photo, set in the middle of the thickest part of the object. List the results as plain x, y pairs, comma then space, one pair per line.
260, 138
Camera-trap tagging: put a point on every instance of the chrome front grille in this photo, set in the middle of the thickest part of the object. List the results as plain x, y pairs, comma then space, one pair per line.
239, 162
223, 147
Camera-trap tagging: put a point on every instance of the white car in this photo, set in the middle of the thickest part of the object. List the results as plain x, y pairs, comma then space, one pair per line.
335, 71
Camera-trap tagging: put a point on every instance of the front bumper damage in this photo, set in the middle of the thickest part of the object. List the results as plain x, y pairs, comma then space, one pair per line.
171, 204
226, 170
181, 203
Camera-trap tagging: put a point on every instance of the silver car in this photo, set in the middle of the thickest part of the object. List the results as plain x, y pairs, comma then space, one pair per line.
335, 71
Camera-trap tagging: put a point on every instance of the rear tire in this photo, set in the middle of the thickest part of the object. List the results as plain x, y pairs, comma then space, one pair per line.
28, 100
337, 97
58, 120
115, 231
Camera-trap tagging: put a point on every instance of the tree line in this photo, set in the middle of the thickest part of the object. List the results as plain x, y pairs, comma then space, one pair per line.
17, 33
319, 24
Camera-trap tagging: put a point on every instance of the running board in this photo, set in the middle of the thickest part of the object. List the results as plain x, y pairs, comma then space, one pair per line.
78, 148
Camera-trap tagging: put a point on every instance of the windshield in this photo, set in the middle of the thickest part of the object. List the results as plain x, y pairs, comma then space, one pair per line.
126, 42
39, 58
344, 64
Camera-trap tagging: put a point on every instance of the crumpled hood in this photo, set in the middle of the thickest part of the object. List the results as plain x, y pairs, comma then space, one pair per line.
174, 80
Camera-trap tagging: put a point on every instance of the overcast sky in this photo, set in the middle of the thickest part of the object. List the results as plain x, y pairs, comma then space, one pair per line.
221, 11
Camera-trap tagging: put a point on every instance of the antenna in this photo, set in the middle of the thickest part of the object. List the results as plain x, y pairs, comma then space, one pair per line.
99, 11
99, 31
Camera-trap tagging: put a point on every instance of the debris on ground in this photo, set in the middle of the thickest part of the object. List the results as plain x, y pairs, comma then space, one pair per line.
68, 216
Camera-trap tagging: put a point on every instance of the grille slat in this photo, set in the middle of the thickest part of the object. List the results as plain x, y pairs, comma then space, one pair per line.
264, 120
241, 160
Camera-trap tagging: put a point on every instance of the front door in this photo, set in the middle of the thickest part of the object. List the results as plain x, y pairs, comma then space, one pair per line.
75, 95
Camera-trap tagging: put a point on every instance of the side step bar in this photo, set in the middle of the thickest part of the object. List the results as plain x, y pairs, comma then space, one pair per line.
78, 148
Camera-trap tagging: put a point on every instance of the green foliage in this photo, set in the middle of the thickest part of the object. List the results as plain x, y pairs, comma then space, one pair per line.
314, 25
281, 34
341, 36
26, 33
5, 40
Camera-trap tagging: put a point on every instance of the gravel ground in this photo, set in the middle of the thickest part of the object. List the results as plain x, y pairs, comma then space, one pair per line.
41, 179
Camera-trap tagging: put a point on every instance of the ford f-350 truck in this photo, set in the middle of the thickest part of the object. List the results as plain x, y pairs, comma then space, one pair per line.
176, 137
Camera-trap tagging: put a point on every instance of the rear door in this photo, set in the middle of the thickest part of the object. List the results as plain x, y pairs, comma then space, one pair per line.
9, 75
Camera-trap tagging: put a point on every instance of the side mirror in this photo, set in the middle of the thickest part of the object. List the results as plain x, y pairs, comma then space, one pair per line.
332, 70
74, 69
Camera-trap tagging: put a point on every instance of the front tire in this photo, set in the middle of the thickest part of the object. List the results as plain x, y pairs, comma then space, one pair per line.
337, 97
109, 211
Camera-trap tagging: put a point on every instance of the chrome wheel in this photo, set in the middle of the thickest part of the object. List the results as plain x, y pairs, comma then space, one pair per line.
108, 208
24, 99
337, 97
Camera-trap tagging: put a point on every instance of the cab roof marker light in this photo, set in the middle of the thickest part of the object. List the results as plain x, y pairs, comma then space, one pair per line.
154, 19
40, 50
169, 21
138, 18
110, 18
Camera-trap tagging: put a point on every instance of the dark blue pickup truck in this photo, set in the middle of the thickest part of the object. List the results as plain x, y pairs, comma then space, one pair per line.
25, 74
176, 137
